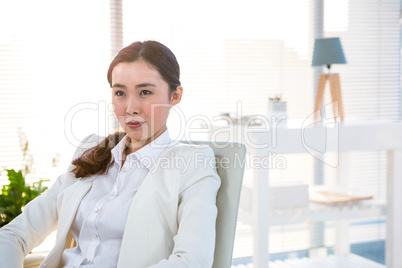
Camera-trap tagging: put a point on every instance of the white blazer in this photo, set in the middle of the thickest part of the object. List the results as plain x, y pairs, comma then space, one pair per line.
171, 221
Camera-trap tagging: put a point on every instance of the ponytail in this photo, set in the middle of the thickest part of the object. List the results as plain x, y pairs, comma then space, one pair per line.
97, 160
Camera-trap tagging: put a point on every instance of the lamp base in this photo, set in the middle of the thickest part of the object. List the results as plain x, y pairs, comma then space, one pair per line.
335, 86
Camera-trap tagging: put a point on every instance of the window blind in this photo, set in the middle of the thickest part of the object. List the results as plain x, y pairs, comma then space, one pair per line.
370, 34
53, 64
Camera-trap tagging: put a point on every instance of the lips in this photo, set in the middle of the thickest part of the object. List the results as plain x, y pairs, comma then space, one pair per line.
134, 123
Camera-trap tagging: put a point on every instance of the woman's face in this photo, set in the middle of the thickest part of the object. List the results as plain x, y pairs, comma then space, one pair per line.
141, 101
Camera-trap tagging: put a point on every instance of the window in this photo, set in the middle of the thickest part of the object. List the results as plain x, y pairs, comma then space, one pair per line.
53, 64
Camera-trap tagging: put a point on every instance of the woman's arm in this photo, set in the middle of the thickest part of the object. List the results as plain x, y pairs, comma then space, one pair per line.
194, 243
31, 227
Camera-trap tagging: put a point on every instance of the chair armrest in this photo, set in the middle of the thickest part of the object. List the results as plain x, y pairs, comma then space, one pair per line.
33, 260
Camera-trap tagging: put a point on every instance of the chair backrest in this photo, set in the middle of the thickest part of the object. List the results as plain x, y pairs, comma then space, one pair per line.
231, 171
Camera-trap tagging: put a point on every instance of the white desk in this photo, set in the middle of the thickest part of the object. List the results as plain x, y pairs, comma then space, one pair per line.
298, 137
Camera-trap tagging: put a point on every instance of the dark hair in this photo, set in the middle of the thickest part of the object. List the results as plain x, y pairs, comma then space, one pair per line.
97, 160
160, 57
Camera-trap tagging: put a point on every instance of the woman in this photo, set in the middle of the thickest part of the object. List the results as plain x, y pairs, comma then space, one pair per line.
136, 199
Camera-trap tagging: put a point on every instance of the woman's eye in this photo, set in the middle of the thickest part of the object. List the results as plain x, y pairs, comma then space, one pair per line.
145, 92
119, 93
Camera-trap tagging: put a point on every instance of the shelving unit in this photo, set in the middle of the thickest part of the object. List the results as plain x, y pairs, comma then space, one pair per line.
350, 261
319, 212
303, 136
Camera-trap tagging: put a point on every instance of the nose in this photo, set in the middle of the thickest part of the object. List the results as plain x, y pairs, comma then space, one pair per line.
133, 105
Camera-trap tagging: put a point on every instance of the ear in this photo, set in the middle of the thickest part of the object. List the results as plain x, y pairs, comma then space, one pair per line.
176, 96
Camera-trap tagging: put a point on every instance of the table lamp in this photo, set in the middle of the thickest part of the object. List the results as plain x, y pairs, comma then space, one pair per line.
329, 51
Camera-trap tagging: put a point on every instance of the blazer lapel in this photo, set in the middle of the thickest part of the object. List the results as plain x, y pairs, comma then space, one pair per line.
134, 246
68, 204
71, 200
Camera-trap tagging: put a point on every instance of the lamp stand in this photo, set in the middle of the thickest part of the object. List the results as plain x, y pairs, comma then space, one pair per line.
335, 86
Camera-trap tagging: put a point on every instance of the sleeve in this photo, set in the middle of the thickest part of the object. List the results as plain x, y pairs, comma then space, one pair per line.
31, 227
194, 243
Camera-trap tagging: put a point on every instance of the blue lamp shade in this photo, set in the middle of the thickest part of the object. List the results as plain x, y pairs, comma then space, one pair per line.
328, 51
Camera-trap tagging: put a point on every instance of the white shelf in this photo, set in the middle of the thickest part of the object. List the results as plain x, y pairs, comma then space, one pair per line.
316, 140
350, 261
301, 136
316, 212
320, 212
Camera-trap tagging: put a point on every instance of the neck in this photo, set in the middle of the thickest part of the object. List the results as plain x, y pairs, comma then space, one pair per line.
134, 145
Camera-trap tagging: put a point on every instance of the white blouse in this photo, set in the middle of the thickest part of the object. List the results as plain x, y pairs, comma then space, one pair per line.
100, 220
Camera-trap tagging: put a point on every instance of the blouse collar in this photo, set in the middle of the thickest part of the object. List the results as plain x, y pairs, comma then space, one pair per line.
147, 155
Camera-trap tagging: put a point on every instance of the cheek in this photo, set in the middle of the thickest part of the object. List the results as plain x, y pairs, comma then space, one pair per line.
161, 114
157, 115
118, 108
155, 108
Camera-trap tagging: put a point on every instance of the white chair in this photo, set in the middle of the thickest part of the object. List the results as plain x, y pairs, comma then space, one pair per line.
231, 173
33, 261
228, 198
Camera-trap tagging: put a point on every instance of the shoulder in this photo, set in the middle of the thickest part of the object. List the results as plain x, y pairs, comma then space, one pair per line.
88, 142
196, 151
189, 146
187, 159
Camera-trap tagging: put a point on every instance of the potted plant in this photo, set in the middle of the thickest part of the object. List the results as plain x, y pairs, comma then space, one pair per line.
15, 195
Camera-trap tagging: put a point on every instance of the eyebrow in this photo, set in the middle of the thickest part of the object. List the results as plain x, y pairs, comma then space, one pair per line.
145, 85
137, 86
